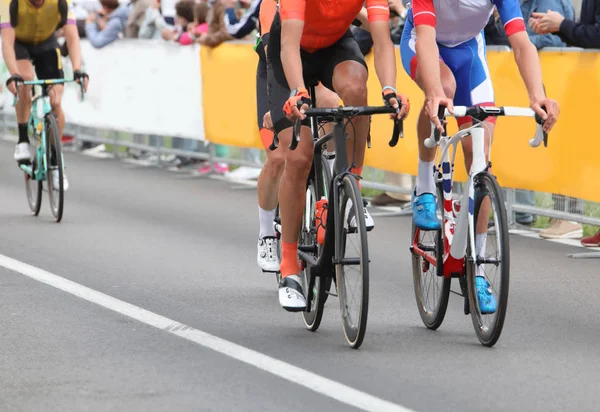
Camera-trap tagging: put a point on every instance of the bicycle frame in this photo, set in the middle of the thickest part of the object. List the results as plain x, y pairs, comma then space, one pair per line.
37, 119
459, 231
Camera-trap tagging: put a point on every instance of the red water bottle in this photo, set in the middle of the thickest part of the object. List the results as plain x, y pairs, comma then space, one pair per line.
321, 219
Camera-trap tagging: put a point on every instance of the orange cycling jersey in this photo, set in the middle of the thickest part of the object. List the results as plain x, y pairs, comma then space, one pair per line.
326, 21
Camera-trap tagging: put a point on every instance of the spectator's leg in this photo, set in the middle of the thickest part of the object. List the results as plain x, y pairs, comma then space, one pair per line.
562, 229
525, 197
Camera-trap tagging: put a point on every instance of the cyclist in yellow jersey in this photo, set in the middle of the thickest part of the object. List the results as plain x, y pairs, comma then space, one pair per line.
28, 29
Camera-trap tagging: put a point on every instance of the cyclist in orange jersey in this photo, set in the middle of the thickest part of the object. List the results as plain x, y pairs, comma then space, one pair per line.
310, 41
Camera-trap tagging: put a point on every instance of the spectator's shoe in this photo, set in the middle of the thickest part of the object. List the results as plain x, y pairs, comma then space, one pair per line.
485, 296
55, 181
562, 229
267, 258
591, 241
386, 200
220, 168
22, 153
351, 219
291, 295
425, 212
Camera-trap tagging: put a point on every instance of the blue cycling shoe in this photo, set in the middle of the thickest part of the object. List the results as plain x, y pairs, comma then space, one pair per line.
425, 212
487, 300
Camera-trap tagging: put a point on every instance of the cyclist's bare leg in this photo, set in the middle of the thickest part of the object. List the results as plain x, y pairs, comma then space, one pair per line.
270, 175
23, 106
327, 98
425, 181
292, 193
55, 94
350, 82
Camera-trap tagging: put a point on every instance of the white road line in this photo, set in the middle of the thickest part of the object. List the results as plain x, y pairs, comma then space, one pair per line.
291, 373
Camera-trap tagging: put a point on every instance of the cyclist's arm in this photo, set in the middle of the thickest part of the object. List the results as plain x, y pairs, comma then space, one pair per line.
72, 39
378, 15
292, 25
525, 53
428, 54
527, 60
8, 48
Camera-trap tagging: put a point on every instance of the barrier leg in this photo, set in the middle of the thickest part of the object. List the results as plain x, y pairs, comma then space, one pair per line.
116, 145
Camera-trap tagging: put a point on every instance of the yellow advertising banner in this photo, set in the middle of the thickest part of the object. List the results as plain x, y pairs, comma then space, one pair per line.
569, 165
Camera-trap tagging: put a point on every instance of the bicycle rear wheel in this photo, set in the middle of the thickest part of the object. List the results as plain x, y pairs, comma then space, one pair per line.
493, 261
432, 289
353, 257
320, 285
277, 225
33, 189
54, 162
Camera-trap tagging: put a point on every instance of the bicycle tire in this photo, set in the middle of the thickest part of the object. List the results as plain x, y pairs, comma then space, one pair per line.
56, 195
278, 238
432, 317
348, 191
308, 237
33, 189
486, 186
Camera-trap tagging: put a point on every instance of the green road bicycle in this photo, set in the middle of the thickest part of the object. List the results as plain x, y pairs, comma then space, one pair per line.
44, 137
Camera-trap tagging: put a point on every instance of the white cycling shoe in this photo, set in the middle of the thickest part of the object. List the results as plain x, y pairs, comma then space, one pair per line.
55, 181
291, 295
266, 257
369, 222
22, 153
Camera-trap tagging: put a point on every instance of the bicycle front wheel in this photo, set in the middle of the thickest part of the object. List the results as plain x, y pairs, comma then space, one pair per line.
54, 162
432, 289
320, 285
352, 266
489, 275
33, 189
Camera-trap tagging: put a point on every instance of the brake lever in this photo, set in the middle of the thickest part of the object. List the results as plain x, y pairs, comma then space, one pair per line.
398, 131
540, 134
296, 134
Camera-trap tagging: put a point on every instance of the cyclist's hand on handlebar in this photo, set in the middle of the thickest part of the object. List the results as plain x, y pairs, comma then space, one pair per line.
296, 105
432, 105
13, 82
392, 99
80, 76
548, 110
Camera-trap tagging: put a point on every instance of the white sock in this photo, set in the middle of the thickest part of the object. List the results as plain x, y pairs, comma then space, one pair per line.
425, 182
266, 218
480, 242
330, 156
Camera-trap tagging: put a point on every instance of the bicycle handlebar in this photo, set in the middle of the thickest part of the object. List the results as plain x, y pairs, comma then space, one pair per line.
349, 111
48, 82
483, 112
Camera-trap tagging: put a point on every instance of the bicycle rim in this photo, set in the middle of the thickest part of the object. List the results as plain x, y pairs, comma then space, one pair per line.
33, 189
54, 162
432, 289
353, 269
496, 269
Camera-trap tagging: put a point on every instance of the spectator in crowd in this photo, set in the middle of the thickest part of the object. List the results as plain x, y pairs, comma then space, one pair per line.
242, 27
217, 31
184, 15
197, 27
585, 33
154, 22
563, 7
105, 26
136, 17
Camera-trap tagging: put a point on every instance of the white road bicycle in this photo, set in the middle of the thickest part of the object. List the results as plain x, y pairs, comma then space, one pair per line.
438, 256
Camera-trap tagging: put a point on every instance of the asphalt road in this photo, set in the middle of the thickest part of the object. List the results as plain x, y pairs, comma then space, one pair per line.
185, 249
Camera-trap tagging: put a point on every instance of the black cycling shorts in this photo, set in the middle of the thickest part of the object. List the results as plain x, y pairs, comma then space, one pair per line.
45, 57
262, 96
316, 67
